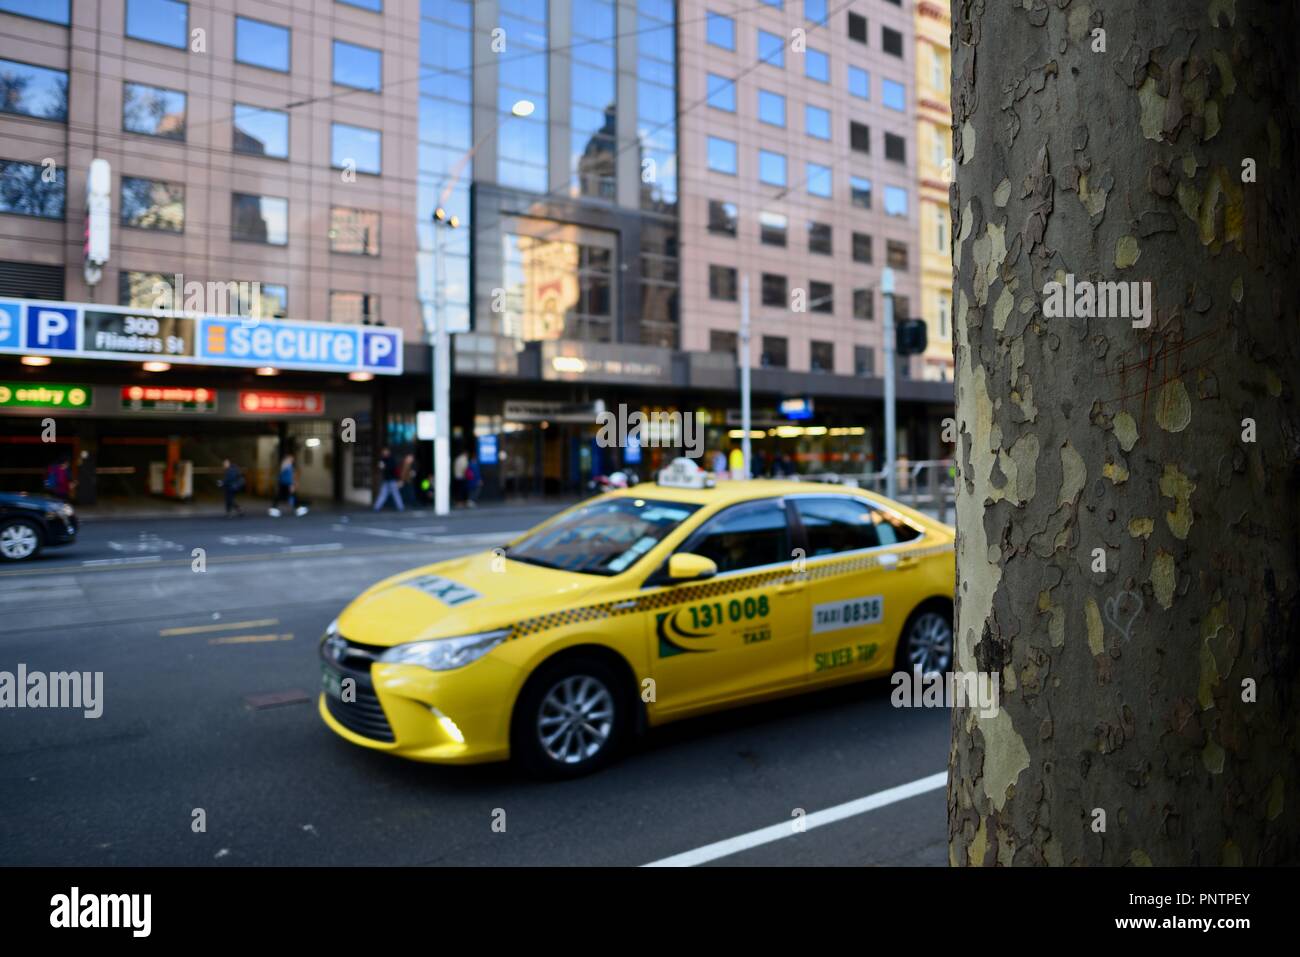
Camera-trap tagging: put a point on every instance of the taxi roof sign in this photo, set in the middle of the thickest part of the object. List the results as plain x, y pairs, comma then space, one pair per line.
684, 473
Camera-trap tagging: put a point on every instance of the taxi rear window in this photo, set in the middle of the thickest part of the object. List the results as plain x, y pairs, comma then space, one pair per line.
606, 537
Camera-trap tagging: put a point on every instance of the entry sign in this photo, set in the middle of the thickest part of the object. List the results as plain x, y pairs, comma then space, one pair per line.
282, 403
44, 395
166, 398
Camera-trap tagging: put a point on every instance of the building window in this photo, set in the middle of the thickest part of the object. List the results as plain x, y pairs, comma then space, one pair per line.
25, 192
593, 119
722, 93
55, 11
354, 231
864, 304
153, 111
895, 201
151, 204
722, 155
821, 297
771, 49
896, 254
720, 31
722, 217
720, 341
819, 180
895, 148
940, 229
819, 238
771, 168
375, 5
817, 65
859, 83
815, 10
816, 121
771, 108
944, 308
159, 21
355, 148
354, 308
261, 132
33, 91
862, 248
778, 4
864, 361
262, 44
523, 143
775, 352
893, 95
358, 67
857, 27
891, 41
774, 290
142, 290
859, 137
938, 146
938, 71
860, 191
259, 219
274, 302
772, 229
902, 308
822, 356
722, 283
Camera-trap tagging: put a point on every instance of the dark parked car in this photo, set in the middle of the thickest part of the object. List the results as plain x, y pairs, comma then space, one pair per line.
29, 523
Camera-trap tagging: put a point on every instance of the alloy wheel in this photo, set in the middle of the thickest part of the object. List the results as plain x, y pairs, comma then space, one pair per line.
575, 719
929, 644
18, 541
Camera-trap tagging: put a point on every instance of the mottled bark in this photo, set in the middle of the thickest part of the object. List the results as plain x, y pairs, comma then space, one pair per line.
1122, 690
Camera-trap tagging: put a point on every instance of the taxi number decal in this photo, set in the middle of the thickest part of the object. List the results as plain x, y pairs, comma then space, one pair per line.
711, 614
834, 615
444, 589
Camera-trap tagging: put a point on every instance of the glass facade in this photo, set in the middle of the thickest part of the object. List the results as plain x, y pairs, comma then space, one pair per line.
593, 116
522, 101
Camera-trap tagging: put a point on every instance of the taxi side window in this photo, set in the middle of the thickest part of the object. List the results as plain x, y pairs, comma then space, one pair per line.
745, 536
843, 524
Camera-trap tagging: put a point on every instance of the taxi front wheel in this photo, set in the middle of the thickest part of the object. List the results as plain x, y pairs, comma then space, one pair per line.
570, 718
927, 641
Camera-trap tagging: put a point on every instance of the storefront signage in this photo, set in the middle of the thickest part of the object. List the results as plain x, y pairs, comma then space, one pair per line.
44, 395
594, 361
166, 398
487, 450
282, 403
526, 410
796, 409
110, 332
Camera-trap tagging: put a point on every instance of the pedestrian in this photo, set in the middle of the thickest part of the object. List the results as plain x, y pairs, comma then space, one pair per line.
407, 478
458, 468
286, 488
473, 481
232, 483
58, 478
390, 486
719, 462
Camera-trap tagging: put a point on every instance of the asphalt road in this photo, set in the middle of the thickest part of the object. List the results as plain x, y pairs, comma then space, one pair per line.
210, 682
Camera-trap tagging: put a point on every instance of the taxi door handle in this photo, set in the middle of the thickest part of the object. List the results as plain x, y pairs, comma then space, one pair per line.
790, 588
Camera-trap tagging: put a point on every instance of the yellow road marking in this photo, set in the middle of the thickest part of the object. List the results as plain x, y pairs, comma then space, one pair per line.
248, 639
224, 626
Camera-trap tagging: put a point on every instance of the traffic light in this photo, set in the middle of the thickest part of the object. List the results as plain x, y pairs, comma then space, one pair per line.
911, 337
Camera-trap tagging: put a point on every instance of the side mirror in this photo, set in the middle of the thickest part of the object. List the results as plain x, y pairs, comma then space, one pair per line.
685, 566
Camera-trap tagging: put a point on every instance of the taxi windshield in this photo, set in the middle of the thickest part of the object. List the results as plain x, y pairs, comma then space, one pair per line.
605, 538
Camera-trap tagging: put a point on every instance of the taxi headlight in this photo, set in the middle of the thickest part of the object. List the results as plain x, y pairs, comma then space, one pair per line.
332, 628
444, 654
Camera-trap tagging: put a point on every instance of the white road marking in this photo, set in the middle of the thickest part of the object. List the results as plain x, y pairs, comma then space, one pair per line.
123, 561
325, 547
766, 835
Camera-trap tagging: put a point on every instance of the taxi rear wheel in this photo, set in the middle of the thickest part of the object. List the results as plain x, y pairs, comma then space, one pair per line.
927, 641
570, 719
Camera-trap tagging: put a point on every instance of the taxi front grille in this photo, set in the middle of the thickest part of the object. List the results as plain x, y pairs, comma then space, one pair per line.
365, 714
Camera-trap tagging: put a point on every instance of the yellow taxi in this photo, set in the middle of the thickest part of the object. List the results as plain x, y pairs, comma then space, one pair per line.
636, 608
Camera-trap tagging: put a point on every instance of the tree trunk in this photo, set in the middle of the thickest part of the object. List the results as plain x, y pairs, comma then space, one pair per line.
1128, 511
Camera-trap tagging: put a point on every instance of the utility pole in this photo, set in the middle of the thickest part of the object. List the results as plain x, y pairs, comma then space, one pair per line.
743, 358
891, 470
439, 343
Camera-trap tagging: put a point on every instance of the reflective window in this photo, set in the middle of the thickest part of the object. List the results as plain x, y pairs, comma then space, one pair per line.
859, 83
819, 180
775, 352
375, 5
33, 91
896, 254
895, 201
722, 93
864, 306
771, 108
722, 218
357, 66
773, 228
862, 248
262, 44
261, 132
771, 49
354, 308
259, 219
820, 238
817, 65
722, 155
26, 190
864, 361
860, 191
720, 31
821, 356
604, 538
593, 118
815, 10
893, 95
774, 290
771, 168
744, 536
558, 289
523, 143
141, 290
159, 21
151, 204
355, 147
56, 11
844, 523
816, 121
354, 231
723, 283
821, 297
153, 111
273, 300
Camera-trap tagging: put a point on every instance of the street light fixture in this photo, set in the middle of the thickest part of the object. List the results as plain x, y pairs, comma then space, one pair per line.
441, 370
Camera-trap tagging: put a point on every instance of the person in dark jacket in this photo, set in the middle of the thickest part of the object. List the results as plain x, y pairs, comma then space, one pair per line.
232, 483
390, 482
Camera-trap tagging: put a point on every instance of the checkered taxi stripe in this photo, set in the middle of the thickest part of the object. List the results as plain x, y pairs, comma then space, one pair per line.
669, 597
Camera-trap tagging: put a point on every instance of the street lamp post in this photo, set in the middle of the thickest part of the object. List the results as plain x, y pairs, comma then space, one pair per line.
441, 362
891, 470
745, 415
